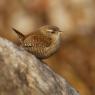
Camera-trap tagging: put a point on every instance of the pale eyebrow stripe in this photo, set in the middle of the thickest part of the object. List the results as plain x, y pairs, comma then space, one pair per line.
50, 30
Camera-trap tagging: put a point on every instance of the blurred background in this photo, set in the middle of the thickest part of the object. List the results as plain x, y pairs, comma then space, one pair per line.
75, 61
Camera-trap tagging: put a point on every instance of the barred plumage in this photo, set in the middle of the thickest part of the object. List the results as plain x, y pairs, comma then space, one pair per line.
43, 42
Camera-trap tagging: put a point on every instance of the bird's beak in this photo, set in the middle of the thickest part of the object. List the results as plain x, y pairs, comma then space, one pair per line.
60, 32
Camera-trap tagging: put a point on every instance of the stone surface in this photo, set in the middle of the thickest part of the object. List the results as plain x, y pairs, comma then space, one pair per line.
21, 73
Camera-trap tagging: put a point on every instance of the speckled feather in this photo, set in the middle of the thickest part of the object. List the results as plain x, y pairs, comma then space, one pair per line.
42, 43
37, 39
37, 44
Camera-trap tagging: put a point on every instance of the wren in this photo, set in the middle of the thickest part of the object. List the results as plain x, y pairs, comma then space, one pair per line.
43, 42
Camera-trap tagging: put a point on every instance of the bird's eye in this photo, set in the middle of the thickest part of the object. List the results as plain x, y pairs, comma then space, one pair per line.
53, 32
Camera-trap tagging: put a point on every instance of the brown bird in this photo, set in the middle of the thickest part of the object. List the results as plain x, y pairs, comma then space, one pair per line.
43, 42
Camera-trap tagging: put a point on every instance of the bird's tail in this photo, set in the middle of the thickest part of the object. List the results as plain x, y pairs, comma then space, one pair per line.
19, 34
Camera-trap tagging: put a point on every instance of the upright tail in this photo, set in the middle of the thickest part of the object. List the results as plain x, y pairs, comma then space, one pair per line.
19, 34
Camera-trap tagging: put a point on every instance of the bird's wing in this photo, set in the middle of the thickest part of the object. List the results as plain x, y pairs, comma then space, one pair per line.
37, 41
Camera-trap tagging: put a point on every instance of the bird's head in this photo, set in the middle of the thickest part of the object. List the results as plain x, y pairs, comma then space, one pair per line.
51, 31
